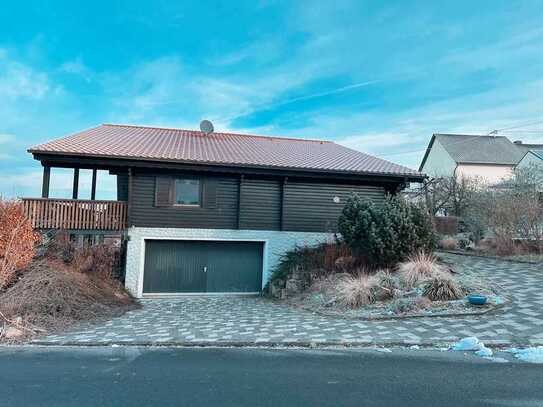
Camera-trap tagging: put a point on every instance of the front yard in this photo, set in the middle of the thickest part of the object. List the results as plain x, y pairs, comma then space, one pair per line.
383, 266
236, 321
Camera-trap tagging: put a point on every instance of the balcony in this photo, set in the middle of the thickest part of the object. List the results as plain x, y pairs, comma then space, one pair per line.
76, 214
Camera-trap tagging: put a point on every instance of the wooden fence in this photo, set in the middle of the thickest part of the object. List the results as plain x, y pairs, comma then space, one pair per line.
446, 225
76, 214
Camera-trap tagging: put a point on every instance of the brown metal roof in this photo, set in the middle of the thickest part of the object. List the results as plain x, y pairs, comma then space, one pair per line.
229, 149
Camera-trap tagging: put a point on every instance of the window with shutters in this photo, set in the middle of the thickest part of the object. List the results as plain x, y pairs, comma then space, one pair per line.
187, 192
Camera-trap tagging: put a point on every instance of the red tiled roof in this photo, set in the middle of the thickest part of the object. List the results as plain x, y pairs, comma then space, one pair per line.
229, 149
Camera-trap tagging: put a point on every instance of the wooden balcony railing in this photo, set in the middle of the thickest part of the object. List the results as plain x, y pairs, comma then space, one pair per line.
76, 214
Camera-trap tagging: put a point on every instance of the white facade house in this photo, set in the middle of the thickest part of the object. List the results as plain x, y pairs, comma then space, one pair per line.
491, 159
531, 158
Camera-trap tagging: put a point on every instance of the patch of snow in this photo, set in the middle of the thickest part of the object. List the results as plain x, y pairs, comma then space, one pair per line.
496, 359
473, 344
532, 354
484, 352
470, 343
384, 350
414, 347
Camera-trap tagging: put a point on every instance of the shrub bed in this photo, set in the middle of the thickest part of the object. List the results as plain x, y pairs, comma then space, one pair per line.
50, 296
17, 241
381, 264
420, 286
63, 285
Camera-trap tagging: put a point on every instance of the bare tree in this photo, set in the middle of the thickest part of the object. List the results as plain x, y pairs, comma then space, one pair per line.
511, 211
451, 195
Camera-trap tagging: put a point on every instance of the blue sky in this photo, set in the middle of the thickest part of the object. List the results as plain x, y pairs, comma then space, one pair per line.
379, 77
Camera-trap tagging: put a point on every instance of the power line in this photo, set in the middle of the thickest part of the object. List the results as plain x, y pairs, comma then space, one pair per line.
518, 126
522, 131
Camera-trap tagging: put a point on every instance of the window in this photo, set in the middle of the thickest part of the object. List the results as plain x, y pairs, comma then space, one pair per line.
187, 192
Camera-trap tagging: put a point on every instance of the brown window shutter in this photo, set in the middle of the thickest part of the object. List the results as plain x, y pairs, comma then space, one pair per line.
163, 191
210, 192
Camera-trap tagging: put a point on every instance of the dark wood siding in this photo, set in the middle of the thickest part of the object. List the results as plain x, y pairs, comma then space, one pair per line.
220, 215
122, 187
310, 206
260, 204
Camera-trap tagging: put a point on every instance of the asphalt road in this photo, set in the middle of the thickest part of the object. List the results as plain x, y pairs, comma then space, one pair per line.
261, 377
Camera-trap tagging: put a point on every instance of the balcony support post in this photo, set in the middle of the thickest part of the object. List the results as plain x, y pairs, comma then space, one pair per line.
45, 181
93, 186
75, 190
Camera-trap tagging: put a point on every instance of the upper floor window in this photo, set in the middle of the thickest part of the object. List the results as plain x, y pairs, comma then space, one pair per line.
187, 191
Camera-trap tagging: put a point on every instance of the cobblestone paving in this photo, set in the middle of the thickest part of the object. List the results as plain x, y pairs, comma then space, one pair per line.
253, 320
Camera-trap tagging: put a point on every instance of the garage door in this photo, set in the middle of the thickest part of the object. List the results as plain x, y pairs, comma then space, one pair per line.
202, 266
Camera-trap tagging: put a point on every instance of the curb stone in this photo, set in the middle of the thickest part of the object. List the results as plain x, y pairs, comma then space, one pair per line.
438, 343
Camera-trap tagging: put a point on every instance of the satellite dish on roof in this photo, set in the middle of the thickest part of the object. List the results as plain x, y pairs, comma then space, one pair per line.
206, 127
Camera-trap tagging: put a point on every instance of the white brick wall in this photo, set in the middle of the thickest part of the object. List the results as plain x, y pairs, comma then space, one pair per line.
275, 244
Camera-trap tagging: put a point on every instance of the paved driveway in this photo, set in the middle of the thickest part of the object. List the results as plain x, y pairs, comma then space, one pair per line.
254, 320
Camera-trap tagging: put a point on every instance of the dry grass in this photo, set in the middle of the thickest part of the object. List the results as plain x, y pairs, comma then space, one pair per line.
442, 287
448, 243
333, 251
17, 240
50, 296
386, 285
418, 267
97, 259
356, 290
405, 305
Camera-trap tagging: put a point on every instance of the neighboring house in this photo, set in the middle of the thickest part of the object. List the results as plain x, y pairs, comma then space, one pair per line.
532, 157
208, 213
489, 158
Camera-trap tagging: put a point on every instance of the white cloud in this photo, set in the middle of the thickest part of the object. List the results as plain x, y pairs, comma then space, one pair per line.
371, 142
77, 67
24, 182
403, 136
18, 80
6, 138
258, 52
163, 90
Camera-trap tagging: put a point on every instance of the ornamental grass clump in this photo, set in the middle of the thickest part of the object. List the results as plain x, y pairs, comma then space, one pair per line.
356, 290
418, 267
386, 285
442, 287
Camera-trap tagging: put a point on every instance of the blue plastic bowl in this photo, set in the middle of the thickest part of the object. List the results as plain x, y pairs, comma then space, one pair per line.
477, 299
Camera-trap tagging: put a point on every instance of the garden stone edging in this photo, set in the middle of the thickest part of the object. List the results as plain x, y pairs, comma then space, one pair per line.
492, 310
481, 256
